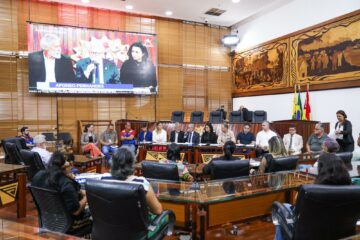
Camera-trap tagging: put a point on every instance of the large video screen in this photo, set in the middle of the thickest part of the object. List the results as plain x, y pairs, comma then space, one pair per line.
66, 59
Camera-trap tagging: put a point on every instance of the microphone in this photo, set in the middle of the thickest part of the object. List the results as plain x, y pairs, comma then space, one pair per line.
195, 185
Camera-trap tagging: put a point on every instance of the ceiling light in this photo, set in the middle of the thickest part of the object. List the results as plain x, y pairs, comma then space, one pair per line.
85, 1
235, 1
168, 13
129, 7
230, 40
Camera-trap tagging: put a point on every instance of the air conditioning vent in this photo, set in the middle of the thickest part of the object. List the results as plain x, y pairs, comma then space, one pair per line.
215, 12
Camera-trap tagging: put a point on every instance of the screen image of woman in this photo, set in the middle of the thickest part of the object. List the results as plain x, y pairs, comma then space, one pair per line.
138, 69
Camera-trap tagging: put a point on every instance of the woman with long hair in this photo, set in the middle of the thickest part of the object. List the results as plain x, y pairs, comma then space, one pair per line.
276, 150
209, 136
159, 134
90, 141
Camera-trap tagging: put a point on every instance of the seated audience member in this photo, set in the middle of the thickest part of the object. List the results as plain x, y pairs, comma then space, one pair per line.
177, 136
329, 146
173, 156
58, 178
343, 131
356, 153
191, 135
246, 137
145, 134
262, 139
247, 116
40, 148
159, 134
109, 141
228, 150
89, 141
209, 136
276, 150
25, 134
331, 171
293, 141
315, 141
222, 109
127, 137
225, 135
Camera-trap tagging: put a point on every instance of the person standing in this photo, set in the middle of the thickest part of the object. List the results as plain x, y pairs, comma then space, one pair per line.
343, 131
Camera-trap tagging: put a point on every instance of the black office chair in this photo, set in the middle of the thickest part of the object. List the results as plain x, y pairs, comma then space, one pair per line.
66, 138
33, 161
259, 116
345, 157
216, 117
155, 170
178, 116
52, 212
197, 117
13, 152
20, 143
321, 212
282, 164
49, 137
221, 169
236, 117
120, 211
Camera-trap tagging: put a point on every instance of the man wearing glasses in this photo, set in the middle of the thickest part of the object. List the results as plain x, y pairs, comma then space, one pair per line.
316, 140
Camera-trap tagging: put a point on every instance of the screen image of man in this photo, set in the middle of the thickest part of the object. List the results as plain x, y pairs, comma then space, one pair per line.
95, 68
49, 65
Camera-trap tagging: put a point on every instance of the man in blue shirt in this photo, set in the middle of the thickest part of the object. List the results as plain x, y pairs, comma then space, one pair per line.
245, 137
145, 134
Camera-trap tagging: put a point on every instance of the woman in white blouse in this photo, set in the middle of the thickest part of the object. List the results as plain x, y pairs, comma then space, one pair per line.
159, 134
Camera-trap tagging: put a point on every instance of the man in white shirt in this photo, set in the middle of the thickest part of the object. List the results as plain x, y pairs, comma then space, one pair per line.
293, 142
40, 148
262, 139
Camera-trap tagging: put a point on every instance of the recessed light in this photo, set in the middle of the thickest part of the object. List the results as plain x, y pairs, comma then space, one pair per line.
235, 1
168, 13
129, 7
85, 1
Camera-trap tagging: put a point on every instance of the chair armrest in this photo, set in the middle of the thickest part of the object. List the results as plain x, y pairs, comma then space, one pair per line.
284, 217
160, 217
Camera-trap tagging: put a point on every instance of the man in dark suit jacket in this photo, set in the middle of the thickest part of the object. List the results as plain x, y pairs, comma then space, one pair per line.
49, 63
222, 109
177, 136
247, 115
191, 136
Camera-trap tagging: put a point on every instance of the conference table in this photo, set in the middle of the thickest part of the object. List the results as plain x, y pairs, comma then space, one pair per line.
87, 164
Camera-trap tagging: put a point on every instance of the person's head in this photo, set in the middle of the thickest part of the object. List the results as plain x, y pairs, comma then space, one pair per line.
224, 128
25, 131
222, 107
144, 127
173, 152
57, 160
341, 116
241, 107
89, 128
138, 52
292, 130
229, 149
265, 125
177, 127
50, 44
277, 147
127, 126
40, 141
330, 145
159, 126
319, 129
208, 127
191, 127
97, 50
122, 163
332, 170
246, 128
110, 127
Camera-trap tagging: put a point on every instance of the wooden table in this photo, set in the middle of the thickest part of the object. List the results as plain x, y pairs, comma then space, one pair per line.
86, 164
13, 187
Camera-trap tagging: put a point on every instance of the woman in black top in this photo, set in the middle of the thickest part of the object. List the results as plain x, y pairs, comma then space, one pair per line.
138, 69
57, 177
209, 136
229, 148
343, 131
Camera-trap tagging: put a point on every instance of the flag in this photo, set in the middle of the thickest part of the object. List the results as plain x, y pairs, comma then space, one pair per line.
294, 105
307, 108
299, 111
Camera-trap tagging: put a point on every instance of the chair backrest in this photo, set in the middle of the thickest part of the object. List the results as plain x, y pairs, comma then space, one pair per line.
65, 137
178, 116
229, 169
282, 164
33, 161
326, 212
345, 156
156, 170
216, 117
236, 117
119, 209
20, 143
259, 116
13, 153
197, 117
50, 137
52, 212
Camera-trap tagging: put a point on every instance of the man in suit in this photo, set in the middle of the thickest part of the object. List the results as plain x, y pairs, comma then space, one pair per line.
177, 136
247, 115
293, 142
95, 68
222, 109
49, 65
191, 136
